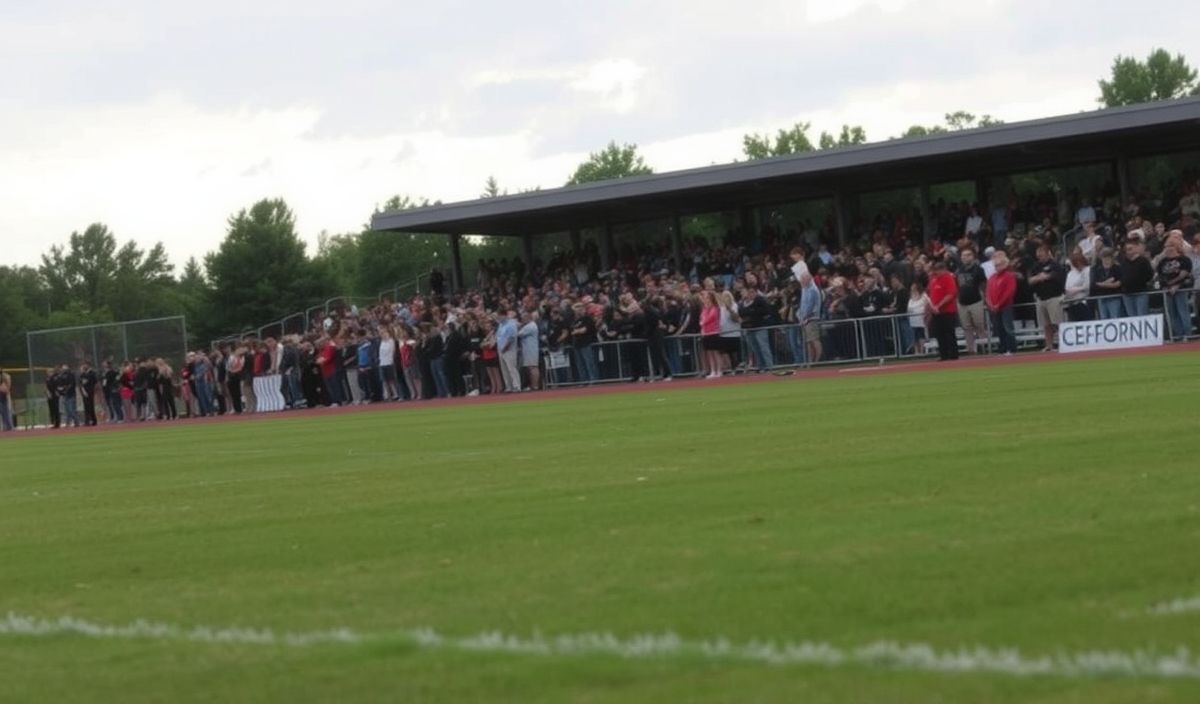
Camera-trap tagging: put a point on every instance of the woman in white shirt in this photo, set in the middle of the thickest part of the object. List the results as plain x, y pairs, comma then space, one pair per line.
731, 329
387, 365
918, 307
1079, 284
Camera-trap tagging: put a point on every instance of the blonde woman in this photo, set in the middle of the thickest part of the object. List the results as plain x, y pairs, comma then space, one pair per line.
710, 329
731, 329
410, 369
6, 411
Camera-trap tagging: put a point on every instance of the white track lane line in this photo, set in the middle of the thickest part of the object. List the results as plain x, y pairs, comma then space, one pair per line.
1176, 664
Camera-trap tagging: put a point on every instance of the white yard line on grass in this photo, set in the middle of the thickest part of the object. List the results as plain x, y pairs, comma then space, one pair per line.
1175, 606
881, 654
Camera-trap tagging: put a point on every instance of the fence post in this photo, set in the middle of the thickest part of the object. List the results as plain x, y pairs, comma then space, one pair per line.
896, 336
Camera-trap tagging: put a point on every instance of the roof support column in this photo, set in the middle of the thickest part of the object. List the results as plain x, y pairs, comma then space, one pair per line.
527, 252
576, 242
1121, 165
606, 248
928, 226
677, 242
746, 225
456, 270
841, 214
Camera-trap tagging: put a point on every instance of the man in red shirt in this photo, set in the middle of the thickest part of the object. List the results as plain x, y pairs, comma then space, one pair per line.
328, 359
943, 297
1001, 290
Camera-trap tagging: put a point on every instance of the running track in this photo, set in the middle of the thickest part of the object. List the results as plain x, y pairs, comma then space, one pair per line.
801, 375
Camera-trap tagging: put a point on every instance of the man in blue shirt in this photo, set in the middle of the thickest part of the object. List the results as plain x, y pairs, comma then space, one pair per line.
809, 316
506, 345
366, 369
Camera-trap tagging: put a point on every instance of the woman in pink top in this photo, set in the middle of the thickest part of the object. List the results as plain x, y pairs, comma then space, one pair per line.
710, 330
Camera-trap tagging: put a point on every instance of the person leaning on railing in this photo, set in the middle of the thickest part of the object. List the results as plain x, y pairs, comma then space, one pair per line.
6, 408
1174, 278
1001, 292
1077, 287
1106, 285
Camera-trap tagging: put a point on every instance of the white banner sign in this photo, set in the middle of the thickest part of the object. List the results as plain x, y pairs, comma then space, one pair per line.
1114, 334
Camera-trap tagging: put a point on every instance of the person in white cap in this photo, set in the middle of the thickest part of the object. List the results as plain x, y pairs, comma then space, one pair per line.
989, 267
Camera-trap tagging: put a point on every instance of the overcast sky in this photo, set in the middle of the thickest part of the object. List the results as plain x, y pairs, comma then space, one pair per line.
161, 119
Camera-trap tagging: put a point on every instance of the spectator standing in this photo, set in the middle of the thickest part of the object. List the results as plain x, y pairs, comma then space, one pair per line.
52, 404
491, 357
329, 360
972, 281
710, 329
455, 355
6, 409
1136, 276
528, 350
1001, 292
88, 381
1048, 280
583, 339
202, 380
1174, 278
387, 366
1106, 285
1077, 287
943, 297
233, 378
67, 391
731, 329
249, 351
506, 346
753, 311
808, 316
110, 387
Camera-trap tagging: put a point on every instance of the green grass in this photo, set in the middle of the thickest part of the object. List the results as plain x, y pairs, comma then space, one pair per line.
1042, 507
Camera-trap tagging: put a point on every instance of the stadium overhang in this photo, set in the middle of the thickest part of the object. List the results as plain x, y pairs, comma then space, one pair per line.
1109, 135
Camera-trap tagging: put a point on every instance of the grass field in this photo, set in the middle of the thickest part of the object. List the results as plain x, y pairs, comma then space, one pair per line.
1046, 508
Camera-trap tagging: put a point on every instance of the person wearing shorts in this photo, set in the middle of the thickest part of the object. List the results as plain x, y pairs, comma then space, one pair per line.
1048, 281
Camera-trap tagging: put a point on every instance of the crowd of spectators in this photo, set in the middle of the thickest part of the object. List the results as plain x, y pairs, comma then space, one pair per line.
736, 306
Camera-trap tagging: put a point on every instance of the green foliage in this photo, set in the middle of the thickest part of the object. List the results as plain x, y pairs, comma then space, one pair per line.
614, 161
491, 189
849, 136
261, 272
1160, 77
955, 122
795, 140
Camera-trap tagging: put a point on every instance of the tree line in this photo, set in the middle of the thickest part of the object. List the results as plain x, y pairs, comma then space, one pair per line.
261, 270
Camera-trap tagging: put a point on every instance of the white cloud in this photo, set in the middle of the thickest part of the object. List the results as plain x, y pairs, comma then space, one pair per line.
161, 120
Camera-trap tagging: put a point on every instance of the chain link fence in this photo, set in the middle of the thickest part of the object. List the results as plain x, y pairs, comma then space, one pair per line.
116, 342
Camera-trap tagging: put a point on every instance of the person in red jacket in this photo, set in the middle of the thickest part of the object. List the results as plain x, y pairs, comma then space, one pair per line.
943, 297
1001, 290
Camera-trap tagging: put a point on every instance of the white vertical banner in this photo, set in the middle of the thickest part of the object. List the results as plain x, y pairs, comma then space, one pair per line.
1112, 334
267, 393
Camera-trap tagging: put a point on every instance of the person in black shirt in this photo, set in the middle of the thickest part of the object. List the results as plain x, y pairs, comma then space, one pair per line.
1136, 275
88, 380
1048, 280
66, 384
110, 387
872, 301
52, 398
455, 354
754, 311
1106, 285
971, 284
1174, 277
583, 338
655, 329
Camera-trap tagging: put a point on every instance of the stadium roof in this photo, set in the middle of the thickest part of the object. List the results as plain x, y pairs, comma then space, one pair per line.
1089, 137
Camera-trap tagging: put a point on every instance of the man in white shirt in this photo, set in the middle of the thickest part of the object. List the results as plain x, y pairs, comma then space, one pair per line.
799, 266
989, 267
1085, 214
1091, 243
